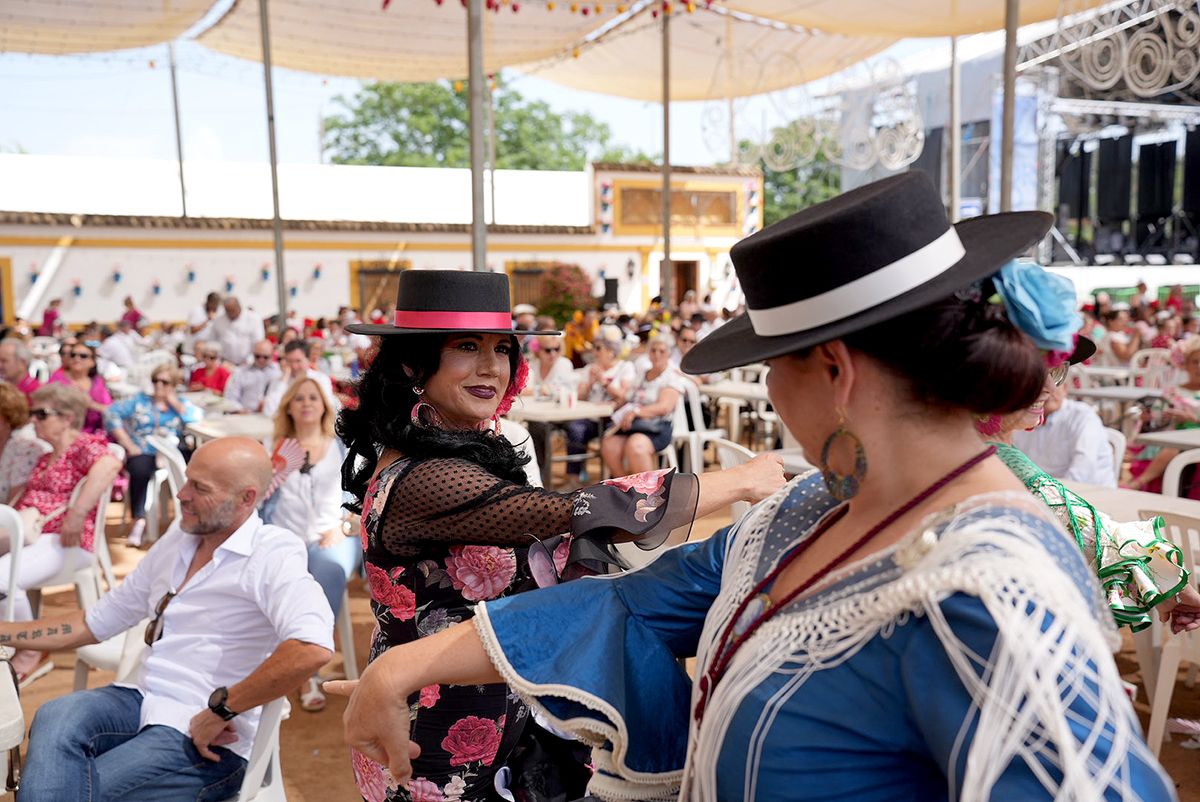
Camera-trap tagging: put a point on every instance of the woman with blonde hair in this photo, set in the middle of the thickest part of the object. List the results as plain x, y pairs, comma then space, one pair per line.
308, 500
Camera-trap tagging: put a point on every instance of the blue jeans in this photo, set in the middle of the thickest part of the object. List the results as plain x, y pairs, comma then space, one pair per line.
86, 747
332, 568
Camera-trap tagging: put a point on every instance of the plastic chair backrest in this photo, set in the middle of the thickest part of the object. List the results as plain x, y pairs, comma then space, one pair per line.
1116, 440
1173, 475
176, 467
731, 455
694, 404
10, 521
40, 370
156, 358
265, 749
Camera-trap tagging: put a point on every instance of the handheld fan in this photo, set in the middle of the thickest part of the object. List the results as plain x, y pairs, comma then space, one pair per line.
287, 457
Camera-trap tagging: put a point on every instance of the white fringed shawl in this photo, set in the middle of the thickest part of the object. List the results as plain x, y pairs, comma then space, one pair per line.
1021, 690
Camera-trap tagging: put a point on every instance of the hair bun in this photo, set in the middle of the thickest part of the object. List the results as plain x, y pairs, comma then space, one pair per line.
959, 352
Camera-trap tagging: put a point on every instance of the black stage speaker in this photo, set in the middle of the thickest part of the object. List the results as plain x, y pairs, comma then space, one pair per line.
1191, 174
1156, 181
610, 292
1075, 182
1113, 179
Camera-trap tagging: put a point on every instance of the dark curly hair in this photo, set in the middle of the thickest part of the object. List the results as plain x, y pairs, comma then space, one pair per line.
382, 418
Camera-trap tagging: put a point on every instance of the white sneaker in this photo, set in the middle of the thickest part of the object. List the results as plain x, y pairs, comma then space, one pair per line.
134, 540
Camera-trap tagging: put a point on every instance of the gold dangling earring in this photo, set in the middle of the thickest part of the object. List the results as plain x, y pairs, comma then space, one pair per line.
843, 486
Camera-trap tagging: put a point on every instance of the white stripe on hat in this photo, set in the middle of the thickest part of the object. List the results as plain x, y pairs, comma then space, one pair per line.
871, 290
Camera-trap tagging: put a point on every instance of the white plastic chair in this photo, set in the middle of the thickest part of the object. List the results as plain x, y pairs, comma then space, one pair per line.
345, 628
1160, 678
40, 370
1154, 366
1173, 475
1116, 441
731, 455
697, 436
173, 472
11, 522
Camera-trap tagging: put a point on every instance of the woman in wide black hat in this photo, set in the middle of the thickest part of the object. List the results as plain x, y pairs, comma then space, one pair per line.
906, 623
449, 521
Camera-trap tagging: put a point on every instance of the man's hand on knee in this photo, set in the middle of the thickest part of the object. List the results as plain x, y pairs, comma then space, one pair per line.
208, 730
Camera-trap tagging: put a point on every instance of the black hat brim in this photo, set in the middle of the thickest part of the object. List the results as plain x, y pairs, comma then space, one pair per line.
1084, 349
387, 330
989, 242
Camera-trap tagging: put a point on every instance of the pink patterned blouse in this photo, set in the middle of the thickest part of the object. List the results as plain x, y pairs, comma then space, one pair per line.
51, 483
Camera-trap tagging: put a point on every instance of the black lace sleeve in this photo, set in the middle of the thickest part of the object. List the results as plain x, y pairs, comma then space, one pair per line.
457, 501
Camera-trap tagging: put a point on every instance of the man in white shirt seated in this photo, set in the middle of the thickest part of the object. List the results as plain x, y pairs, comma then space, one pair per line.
237, 332
122, 346
294, 365
1071, 445
247, 387
236, 621
200, 320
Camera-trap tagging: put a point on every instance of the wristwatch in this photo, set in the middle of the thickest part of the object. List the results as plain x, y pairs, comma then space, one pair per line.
216, 703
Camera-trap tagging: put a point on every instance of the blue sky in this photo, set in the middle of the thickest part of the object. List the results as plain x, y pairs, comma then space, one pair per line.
119, 104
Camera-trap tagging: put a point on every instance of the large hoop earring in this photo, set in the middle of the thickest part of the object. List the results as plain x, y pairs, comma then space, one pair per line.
431, 418
843, 486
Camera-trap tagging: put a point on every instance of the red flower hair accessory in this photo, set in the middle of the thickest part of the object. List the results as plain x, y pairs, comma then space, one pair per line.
515, 386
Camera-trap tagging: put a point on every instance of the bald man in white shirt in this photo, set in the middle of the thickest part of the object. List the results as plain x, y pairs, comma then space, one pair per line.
236, 621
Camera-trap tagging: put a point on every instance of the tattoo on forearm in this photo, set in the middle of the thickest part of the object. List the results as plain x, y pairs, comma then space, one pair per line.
66, 629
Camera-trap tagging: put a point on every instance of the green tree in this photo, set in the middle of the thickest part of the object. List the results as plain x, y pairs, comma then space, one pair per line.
788, 191
425, 125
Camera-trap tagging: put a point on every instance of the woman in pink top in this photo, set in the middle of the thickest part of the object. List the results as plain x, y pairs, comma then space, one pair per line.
59, 532
79, 371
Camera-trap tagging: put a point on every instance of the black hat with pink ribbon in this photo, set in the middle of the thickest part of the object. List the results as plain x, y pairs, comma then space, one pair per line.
432, 301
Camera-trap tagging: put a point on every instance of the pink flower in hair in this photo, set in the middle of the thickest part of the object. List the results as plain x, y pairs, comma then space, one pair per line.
989, 425
515, 386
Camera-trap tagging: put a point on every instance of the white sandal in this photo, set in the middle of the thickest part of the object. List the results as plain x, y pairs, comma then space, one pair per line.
312, 698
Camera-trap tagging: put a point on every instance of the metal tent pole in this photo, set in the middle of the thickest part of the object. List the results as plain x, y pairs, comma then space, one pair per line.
666, 272
955, 132
1012, 10
475, 97
276, 221
178, 130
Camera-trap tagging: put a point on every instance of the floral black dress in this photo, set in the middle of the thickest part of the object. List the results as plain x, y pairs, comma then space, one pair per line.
441, 535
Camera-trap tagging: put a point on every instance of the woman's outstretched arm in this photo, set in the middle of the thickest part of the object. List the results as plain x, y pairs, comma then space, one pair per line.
376, 718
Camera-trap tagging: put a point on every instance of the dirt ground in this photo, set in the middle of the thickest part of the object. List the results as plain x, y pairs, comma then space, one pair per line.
315, 764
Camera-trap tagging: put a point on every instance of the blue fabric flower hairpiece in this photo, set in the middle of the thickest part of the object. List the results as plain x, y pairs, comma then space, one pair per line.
1039, 303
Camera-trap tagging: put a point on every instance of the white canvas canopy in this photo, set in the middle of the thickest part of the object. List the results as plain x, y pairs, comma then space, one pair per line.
37, 26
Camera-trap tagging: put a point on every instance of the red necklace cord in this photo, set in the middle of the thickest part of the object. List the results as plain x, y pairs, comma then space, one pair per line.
727, 647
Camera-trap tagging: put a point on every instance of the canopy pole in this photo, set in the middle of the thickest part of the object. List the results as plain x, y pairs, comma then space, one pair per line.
955, 126
276, 221
666, 274
491, 160
178, 132
475, 97
1012, 10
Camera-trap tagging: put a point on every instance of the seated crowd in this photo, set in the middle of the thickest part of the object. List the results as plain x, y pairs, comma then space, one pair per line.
139, 387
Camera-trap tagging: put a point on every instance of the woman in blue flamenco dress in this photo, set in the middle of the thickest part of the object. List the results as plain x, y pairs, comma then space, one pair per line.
908, 623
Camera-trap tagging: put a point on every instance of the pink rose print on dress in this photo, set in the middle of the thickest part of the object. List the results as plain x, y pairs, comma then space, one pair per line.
422, 790
472, 739
647, 483
455, 789
481, 572
372, 779
399, 599
430, 695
